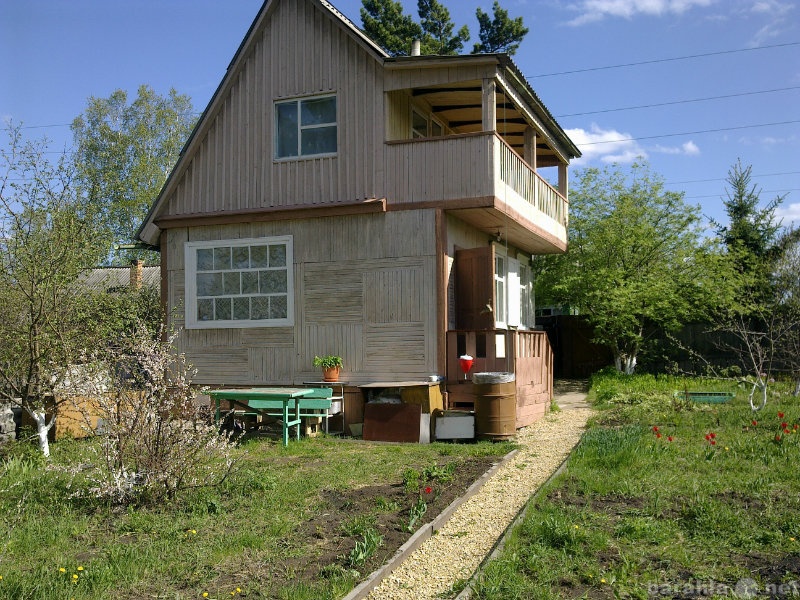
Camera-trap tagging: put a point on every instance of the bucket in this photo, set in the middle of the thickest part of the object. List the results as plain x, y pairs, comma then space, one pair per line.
495, 406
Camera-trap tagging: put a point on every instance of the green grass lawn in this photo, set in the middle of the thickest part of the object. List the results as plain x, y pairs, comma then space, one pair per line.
251, 536
664, 499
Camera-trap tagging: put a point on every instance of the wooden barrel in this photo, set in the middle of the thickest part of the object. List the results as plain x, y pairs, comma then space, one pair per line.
495, 406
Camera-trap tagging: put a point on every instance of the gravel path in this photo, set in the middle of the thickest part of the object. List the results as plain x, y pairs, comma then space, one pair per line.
461, 545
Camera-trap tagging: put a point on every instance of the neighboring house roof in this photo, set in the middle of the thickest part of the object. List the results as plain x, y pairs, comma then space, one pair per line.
116, 279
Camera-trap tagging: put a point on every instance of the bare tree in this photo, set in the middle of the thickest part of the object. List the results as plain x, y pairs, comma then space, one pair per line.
47, 237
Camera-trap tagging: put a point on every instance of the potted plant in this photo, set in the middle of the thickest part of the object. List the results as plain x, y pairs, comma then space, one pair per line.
331, 365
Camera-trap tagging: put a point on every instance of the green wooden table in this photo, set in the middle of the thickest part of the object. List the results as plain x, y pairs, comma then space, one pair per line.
265, 401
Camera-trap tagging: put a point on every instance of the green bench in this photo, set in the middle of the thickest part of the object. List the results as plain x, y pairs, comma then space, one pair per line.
705, 397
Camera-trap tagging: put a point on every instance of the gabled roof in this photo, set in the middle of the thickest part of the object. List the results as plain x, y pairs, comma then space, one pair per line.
145, 232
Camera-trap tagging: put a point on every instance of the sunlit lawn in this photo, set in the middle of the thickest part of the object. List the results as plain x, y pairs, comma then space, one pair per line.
664, 499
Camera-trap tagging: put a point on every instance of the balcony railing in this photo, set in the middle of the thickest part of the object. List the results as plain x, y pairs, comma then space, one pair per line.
470, 165
516, 173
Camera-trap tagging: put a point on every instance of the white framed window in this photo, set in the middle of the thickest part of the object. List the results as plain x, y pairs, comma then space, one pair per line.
239, 283
500, 291
305, 127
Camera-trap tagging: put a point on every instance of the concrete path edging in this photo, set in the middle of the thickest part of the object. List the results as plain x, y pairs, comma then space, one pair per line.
422, 534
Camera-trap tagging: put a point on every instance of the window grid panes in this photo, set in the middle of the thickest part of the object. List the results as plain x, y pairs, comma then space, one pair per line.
305, 127
242, 283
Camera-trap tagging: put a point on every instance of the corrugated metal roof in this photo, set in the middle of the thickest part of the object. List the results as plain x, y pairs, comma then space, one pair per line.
114, 279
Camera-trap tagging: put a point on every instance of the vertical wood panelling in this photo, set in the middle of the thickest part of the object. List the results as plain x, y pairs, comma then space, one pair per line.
364, 289
300, 50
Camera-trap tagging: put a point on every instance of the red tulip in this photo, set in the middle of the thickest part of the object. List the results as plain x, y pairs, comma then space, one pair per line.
669, 438
713, 442
658, 435
784, 425
428, 490
780, 415
754, 422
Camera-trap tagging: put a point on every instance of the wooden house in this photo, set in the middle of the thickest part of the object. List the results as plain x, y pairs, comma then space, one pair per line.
335, 200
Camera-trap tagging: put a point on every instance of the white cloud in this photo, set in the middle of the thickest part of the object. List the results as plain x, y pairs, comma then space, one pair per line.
789, 213
595, 10
689, 149
606, 145
778, 20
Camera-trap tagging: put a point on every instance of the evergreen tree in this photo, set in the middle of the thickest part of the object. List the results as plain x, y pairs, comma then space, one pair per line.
437, 29
500, 33
385, 22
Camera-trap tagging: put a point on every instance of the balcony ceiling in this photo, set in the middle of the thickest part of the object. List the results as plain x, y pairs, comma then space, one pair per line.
459, 106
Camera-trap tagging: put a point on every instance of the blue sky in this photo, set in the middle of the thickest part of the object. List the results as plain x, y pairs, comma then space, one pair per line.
56, 54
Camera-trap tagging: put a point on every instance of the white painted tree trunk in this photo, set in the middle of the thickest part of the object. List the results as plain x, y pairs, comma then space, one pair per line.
42, 429
625, 363
760, 385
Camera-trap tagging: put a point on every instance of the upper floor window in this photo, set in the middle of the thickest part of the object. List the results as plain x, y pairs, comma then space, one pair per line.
239, 283
305, 127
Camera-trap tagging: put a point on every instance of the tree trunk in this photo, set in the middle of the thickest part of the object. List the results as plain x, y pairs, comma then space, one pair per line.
625, 363
797, 387
761, 385
42, 429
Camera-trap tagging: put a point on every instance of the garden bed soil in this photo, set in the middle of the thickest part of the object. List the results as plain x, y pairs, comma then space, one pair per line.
323, 542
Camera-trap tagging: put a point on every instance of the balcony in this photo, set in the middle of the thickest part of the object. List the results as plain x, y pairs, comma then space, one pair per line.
480, 179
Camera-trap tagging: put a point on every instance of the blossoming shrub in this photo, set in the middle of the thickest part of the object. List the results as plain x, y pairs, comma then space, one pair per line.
154, 439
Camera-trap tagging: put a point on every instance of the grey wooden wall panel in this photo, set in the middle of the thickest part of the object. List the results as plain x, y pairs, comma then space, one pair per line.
301, 51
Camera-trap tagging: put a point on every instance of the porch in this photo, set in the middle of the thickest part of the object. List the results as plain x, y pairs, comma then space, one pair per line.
527, 354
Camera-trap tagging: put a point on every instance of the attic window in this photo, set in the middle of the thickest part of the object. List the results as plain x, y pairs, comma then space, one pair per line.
305, 127
239, 283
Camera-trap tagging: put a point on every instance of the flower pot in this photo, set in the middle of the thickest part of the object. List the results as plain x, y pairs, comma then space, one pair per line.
330, 374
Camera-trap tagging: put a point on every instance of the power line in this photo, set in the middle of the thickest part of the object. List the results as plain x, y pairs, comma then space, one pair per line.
663, 135
663, 60
761, 191
725, 178
740, 94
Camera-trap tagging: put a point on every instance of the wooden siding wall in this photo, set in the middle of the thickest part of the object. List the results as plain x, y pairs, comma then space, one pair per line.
299, 51
365, 289
452, 167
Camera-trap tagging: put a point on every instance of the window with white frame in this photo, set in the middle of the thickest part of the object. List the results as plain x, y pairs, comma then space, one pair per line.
239, 283
305, 127
500, 310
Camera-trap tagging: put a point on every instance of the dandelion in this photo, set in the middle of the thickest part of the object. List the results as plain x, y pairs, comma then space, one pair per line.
205, 594
577, 526
726, 448
238, 590
791, 539
603, 580
62, 570
80, 568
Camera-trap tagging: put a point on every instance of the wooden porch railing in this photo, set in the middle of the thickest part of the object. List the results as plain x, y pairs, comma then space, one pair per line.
527, 354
